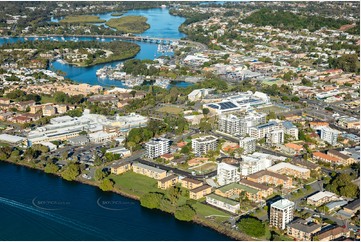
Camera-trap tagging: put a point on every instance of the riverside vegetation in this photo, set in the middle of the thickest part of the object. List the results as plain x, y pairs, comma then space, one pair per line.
129, 24
82, 53
82, 19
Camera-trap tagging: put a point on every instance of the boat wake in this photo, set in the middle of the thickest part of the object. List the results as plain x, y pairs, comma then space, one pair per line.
57, 218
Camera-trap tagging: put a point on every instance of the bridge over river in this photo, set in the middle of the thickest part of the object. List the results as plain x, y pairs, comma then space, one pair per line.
148, 39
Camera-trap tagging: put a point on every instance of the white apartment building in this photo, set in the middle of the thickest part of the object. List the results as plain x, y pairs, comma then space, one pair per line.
229, 124
198, 94
329, 135
227, 174
234, 125
248, 144
251, 164
290, 129
204, 144
157, 147
275, 137
281, 213
260, 131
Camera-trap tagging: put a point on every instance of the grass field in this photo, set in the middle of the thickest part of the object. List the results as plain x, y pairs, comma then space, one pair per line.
82, 19
204, 210
206, 167
129, 24
272, 108
170, 109
133, 183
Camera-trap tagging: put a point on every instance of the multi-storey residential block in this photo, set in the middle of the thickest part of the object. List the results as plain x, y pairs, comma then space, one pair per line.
157, 147
251, 164
302, 230
260, 131
281, 213
120, 167
149, 171
290, 129
329, 135
200, 192
227, 174
248, 144
167, 182
275, 137
190, 183
271, 178
229, 124
223, 203
332, 233
202, 145
290, 170
343, 159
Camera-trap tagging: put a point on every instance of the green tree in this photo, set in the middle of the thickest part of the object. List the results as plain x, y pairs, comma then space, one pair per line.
51, 168
151, 200
252, 227
185, 213
99, 174
71, 172
106, 185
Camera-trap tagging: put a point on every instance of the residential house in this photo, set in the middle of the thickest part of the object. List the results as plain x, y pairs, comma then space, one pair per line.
332, 233
343, 159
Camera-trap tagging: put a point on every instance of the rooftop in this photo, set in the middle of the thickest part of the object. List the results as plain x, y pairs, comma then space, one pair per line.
11, 138
283, 165
201, 188
302, 225
223, 199
320, 195
282, 204
154, 169
234, 185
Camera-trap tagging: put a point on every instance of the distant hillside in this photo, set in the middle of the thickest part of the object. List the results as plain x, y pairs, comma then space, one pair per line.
291, 21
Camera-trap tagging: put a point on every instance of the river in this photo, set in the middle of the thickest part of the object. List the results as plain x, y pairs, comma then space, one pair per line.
38, 206
162, 25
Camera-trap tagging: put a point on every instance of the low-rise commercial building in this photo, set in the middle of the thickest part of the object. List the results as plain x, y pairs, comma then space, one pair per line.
321, 198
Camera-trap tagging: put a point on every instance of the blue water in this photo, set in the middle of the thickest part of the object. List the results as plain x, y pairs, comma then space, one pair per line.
162, 24
38, 206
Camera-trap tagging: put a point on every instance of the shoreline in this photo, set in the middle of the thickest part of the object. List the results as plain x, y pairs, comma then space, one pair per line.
232, 234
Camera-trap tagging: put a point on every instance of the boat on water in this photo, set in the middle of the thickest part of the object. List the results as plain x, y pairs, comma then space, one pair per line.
103, 76
163, 6
162, 83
